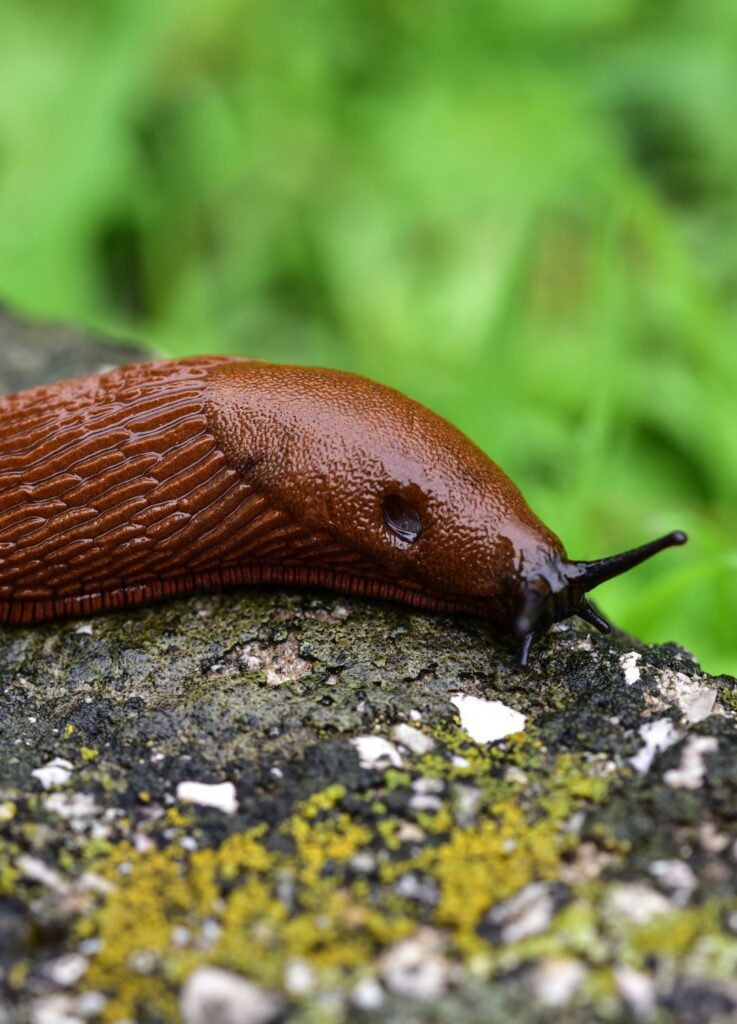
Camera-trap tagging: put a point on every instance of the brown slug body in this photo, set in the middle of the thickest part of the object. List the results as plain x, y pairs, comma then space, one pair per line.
167, 478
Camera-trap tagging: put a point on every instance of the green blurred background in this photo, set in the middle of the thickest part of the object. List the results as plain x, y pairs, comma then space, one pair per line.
523, 214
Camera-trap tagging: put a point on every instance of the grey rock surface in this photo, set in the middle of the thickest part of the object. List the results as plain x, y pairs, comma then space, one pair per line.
316, 809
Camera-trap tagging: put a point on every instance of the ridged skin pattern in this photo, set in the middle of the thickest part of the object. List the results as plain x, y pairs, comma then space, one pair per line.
172, 477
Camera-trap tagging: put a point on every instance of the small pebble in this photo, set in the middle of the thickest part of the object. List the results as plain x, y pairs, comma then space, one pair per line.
213, 996
557, 979
376, 753
636, 989
367, 995
54, 773
414, 740
425, 803
221, 795
67, 970
638, 902
527, 913
415, 968
299, 978
628, 664
674, 873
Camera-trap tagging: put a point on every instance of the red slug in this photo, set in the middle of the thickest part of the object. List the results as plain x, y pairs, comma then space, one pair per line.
167, 478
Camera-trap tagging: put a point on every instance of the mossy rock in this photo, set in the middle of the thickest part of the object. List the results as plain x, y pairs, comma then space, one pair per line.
305, 793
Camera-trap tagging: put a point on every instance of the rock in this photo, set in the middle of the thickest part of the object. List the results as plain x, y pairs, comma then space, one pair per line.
212, 996
409, 826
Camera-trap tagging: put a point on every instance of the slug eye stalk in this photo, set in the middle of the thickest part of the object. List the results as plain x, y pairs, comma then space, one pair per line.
588, 575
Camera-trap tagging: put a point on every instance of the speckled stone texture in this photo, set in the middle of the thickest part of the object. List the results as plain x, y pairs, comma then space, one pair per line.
275, 806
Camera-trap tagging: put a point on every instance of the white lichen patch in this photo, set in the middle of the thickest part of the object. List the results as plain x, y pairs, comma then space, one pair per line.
588, 862
425, 803
690, 772
527, 913
59, 1008
487, 721
695, 700
36, 870
376, 753
280, 664
637, 902
76, 808
584, 644
657, 737
628, 664
54, 773
221, 795
711, 839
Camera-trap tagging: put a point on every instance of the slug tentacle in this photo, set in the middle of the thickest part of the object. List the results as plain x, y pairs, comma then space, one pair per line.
591, 574
524, 651
590, 614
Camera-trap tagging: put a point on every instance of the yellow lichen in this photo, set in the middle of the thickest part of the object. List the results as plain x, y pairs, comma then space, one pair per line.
673, 934
7, 811
253, 905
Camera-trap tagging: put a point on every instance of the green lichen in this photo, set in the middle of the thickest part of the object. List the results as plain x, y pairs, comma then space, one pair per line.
728, 697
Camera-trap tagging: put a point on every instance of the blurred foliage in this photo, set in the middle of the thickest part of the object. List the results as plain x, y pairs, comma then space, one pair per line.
523, 214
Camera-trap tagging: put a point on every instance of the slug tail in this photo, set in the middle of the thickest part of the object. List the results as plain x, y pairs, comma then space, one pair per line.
590, 574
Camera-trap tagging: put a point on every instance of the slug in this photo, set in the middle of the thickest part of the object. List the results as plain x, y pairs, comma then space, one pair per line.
167, 478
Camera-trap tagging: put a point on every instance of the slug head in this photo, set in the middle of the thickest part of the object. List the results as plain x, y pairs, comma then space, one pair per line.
555, 596
400, 492
378, 487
